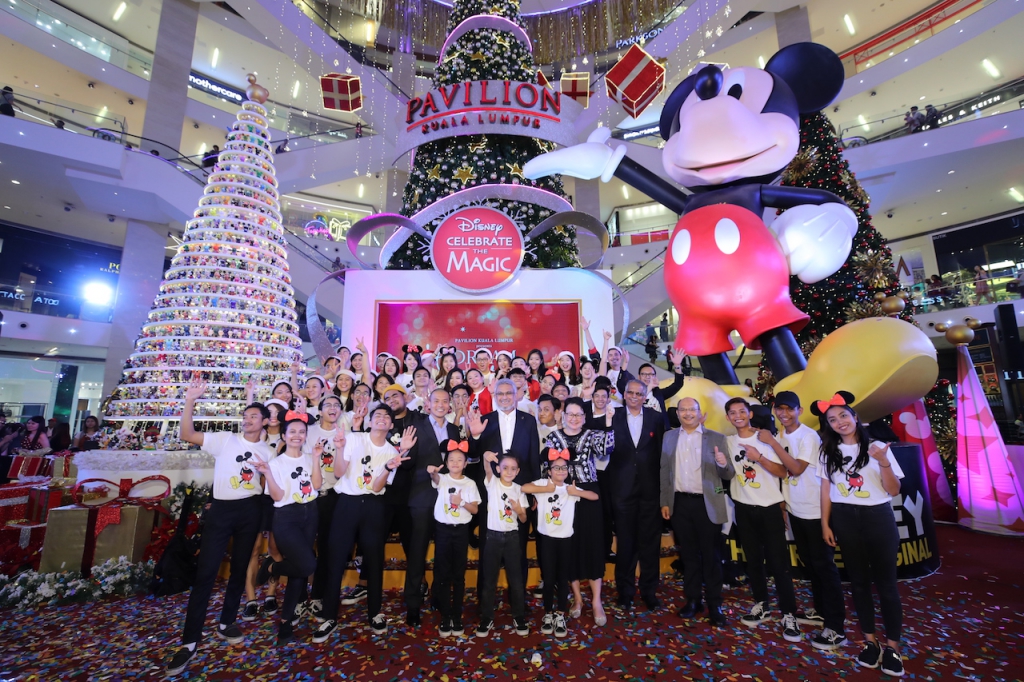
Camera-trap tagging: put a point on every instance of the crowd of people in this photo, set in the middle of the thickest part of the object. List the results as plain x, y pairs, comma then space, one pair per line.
574, 450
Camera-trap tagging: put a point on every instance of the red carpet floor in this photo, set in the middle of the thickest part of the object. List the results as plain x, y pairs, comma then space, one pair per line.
964, 622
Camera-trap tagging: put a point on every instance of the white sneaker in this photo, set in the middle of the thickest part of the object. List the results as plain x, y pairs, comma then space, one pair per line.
547, 626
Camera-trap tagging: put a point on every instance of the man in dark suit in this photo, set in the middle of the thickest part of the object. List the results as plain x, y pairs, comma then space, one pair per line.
656, 395
433, 434
506, 429
635, 482
694, 467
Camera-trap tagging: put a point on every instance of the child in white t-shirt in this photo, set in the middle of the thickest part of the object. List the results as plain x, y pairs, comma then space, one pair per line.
556, 509
458, 499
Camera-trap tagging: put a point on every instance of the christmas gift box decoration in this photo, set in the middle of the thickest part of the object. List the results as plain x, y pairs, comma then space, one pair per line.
85, 534
36, 465
63, 466
577, 86
635, 80
542, 80
20, 545
14, 502
341, 92
43, 498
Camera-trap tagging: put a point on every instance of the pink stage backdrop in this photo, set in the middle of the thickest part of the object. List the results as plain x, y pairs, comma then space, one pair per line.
494, 325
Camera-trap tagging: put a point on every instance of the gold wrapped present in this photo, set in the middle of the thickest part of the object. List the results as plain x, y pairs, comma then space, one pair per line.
77, 538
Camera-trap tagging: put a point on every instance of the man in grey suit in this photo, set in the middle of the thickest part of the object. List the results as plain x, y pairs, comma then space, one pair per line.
693, 468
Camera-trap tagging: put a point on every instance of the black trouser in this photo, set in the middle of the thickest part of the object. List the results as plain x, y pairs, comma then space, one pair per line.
421, 530
397, 519
869, 542
696, 539
295, 527
524, 540
762, 532
554, 569
819, 562
638, 539
451, 548
607, 510
356, 517
237, 521
325, 503
502, 549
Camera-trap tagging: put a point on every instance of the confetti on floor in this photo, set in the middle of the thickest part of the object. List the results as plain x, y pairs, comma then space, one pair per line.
966, 622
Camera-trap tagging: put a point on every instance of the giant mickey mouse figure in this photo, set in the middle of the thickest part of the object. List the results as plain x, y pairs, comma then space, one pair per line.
729, 133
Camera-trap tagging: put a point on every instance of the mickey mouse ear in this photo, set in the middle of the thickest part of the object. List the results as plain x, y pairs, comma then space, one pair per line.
813, 72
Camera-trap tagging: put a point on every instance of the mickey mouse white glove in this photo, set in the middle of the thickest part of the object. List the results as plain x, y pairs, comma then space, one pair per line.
816, 239
587, 161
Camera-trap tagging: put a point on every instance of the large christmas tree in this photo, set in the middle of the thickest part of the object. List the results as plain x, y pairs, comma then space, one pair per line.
446, 166
226, 308
856, 290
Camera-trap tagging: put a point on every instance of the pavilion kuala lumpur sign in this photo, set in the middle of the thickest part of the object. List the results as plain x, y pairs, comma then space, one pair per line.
488, 107
477, 249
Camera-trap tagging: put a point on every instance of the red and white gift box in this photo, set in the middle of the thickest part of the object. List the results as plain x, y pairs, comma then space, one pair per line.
542, 80
635, 80
577, 86
25, 534
341, 92
14, 501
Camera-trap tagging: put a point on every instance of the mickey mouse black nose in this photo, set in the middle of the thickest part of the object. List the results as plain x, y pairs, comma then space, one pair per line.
709, 82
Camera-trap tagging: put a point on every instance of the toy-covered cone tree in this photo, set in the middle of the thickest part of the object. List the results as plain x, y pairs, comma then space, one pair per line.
446, 166
850, 293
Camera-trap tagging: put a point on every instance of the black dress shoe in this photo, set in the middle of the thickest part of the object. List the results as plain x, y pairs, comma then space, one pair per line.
716, 618
691, 609
652, 603
412, 619
625, 604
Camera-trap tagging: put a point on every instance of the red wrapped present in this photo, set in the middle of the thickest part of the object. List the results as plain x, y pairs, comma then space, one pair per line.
577, 86
35, 466
542, 80
341, 92
25, 535
14, 502
42, 498
635, 80
20, 546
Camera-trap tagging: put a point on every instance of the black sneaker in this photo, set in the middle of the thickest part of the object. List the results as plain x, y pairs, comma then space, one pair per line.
809, 617
412, 618
828, 640
270, 606
285, 632
484, 629
790, 630
521, 626
324, 631
547, 626
180, 660
315, 609
263, 574
251, 610
758, 614
538, 592
356, 595
232, 634
892, 662
870, 655
379, 624
560, 629
445, 628
457, 628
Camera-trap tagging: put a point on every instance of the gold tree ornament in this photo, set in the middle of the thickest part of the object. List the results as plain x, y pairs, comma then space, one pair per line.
434, 173
893, 305
880, 296
941, 327
862, 310
515, 169
973, 323
256, 92
959, 334
875, 268
464, 174
480, 146
802, 165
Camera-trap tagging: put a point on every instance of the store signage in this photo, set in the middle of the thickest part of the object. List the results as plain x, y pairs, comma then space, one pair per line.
638, 39
20, 296
215, 88
488, 107
642, 132
477, 249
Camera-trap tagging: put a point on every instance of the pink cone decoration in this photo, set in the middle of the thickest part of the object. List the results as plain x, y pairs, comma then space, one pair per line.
912, 426
989, 493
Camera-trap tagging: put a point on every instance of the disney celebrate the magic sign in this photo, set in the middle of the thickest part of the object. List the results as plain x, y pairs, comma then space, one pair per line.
477, 249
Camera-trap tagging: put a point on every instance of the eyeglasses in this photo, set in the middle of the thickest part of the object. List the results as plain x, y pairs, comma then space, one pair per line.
647, 375
639, 393
559, 468
574, 415
504, 394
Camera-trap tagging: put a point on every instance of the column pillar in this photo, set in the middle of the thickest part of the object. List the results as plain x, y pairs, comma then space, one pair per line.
142, 270
403, 72
172, 63
793, 26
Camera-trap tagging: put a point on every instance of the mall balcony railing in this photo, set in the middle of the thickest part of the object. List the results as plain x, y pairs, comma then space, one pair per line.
72, 117
959, 291
988, 103
25, 297
908, 33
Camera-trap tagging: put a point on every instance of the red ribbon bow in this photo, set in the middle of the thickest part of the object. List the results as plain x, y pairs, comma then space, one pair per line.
823, 405
301, 416
412, 348
553, 373
458, 445
554, 454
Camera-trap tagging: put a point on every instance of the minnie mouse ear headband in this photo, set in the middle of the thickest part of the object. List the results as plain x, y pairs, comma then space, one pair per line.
444, 350
411, 348
820, 407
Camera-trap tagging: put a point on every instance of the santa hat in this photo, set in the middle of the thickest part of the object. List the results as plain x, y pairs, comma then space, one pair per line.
565, 352
478, 351
507, 353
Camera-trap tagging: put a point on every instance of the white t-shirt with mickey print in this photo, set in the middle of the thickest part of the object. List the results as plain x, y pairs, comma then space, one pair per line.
500, 515
803, 492
328, 458
555, 511
234, 476
752, 483
294, 475
446, 486
365, 462
861, 487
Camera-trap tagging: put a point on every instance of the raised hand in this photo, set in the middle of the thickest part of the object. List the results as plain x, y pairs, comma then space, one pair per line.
491, 456
750, 452
475, 423
362, 346
720, 458
318, 449
339, 440
607, 335
196, 389
765, 436
516, 507
456, 499
260, 466
678, 355
877, 453
584, 323
408, 439
431, 469
397, 461
360, 412
300, 403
